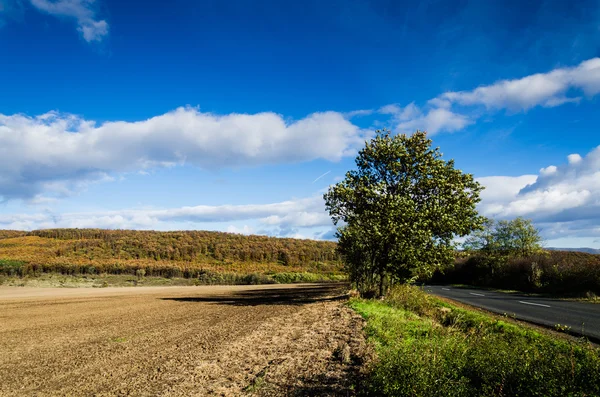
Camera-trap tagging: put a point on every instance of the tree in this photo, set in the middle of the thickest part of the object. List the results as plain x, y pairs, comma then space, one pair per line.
482, 239
401, 209
506, 237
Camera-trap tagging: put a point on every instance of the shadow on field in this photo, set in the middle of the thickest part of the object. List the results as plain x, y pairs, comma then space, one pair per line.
324, 385
274, 296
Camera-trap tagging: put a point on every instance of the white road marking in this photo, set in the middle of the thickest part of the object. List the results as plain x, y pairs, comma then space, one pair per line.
473, 293
534, 304
446, 289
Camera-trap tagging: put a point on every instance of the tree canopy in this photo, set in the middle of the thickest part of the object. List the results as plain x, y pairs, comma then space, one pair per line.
400, 210
517, 237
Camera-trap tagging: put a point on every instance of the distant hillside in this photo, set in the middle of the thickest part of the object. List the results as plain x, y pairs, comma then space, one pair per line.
587, 250
179, 253
11, 233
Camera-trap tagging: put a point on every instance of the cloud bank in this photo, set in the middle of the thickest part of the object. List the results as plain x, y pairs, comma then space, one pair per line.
563, 200
283, 216
557, 87
39, 153
542, 89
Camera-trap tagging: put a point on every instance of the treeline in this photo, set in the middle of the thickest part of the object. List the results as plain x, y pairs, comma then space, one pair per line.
507, 254
188, 254
556, 272
190, 245
11, 234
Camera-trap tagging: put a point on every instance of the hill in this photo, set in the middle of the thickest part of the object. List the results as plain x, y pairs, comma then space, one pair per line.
582, 249
186, 254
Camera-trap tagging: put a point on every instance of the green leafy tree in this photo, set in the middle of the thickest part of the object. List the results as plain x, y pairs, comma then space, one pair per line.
401, 209
517, 237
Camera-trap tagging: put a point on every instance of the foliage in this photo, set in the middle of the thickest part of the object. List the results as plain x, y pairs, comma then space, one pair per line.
555, 272
517, 237
401, 209
11, 267
205, 277
424, 344
166, 254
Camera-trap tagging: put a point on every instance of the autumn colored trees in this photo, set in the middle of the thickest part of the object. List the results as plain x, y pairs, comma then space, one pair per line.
169, 254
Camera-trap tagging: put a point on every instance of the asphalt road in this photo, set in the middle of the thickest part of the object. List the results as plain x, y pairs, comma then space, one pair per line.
583, 318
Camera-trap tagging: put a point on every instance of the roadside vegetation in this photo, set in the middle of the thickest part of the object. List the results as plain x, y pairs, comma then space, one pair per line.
426, 346
203, 257
509, 255
559, 273
126, 280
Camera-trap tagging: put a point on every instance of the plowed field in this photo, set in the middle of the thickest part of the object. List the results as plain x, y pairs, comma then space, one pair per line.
179, 341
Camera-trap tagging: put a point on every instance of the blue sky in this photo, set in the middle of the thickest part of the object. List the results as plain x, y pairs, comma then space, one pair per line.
237, 115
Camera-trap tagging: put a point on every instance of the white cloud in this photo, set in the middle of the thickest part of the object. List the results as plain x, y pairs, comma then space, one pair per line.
503, 188
400, 113
56, 149
564, 200
298, 219
551, 169
243, 230
287, 215
542, 89
93, 31
410, 118
392, 108
83, 11
436, 120
358, 113
574, 158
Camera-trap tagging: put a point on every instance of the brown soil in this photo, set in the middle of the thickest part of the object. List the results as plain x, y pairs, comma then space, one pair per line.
179, 341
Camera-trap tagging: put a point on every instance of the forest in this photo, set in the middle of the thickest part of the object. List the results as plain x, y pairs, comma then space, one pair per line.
167, 254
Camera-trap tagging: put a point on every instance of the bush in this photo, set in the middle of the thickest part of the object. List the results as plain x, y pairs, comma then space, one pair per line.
10, 267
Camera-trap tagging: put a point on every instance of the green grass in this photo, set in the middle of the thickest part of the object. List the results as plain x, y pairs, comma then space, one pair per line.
125, 280
428, 347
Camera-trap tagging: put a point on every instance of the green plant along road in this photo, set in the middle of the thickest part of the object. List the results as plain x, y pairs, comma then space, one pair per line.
582, 318
427, 347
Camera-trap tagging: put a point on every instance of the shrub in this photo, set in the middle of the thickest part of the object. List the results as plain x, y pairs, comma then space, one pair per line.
11, 267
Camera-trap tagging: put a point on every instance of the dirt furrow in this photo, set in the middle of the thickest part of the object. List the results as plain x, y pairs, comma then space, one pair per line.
181, 342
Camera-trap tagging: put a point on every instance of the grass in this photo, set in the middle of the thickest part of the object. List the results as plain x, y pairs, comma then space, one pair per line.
125, 280
425, 345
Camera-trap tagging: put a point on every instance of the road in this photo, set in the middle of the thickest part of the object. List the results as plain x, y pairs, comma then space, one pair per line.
583, 318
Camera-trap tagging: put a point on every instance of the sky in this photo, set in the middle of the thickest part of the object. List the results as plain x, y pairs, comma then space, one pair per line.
237, 116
